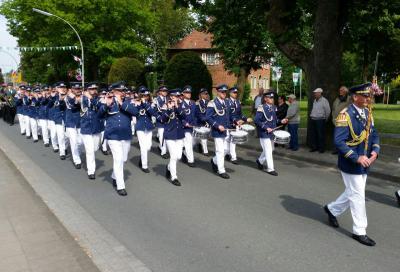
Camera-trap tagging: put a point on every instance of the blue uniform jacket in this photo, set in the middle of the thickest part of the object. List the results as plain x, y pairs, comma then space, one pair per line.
43, 110
118, 120
144, 113
159, 102
72, 113
218, 114
265, 118
58, 105
91, 123
19, 104
172, 120
33, 108
236, 111
189, 110
201, 107
349, 133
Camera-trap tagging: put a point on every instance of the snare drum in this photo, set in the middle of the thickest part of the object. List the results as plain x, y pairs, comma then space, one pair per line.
238, 137
281, 137
201, 132
249, 128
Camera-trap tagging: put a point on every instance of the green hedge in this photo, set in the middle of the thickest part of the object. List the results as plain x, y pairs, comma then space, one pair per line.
127, 69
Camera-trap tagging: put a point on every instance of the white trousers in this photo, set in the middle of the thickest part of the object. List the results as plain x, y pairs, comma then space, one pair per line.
75, 141
175, 153
119, 150
92, 144
188, 144
43, 123
145, 140
27, 125
353, 197
53, 134
162, 146
133, 123
21, 121
34, 128
266, 155
219, 157
230, 148
60, 131
103, 142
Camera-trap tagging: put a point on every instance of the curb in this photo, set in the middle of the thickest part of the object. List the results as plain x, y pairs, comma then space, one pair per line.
372, 172
106, 252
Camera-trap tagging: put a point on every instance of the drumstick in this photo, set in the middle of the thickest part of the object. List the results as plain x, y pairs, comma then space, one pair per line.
277, 127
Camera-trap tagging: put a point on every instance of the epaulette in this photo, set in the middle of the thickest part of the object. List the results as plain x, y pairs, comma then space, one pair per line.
341, 120
197, 103
344, 110
260, 108
210, 104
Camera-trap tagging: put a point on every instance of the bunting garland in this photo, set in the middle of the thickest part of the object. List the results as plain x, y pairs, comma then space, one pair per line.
41, 49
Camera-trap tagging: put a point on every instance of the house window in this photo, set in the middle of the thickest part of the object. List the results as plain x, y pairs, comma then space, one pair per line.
265, 83
210, 58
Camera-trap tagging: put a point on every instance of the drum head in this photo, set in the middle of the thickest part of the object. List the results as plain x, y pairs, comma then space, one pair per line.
239, 133
247, 127
281, 134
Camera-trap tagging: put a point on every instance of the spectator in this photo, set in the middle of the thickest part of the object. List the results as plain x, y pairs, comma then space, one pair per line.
293, 121
257, 100
281, 110
341, 102
319, 116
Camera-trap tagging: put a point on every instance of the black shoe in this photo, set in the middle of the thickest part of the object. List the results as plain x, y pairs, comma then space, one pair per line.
184, 158
105, 152
224, 175
191, 164
272, 173
165, 156
46, 145
92, 176
214, 167
206, 154
175, 182
56, 150
364, 239
114, 182
313, 150
167, 172
398, 197
122, 192
331, 218
23, 133
28, 137
259, 165
227, 157
35, 141
78, 166
235, 162
62, 157
145, 170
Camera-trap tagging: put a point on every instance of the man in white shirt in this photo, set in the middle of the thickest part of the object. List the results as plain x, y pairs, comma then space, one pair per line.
319, 116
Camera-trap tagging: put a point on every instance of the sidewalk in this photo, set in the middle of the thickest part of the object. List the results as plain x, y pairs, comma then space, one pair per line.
386, 167
31, 237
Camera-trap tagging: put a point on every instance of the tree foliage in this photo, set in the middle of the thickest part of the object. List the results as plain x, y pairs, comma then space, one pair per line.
126, 69
187, 68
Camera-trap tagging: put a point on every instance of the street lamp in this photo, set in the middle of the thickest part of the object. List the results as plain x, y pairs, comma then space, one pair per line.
76, 32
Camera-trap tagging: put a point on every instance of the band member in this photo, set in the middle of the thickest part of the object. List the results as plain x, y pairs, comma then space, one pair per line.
265, 121
218, 117
171, 115
144, 111
43, 115
33, 113
57, 101
118, 112
72, 122
358, 144
91, 126
104, 146
159, 101
51, 119
26, 110
20, 108
201, 120
189, 110
237, 119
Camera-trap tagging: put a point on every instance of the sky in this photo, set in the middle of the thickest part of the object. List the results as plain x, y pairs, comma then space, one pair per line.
7, 44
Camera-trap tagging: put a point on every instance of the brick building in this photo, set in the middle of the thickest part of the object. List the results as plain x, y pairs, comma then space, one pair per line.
201, 43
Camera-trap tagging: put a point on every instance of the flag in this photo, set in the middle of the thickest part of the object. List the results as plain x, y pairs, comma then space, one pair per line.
77, 59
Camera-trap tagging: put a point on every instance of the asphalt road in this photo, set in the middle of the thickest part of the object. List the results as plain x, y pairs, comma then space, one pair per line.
252, 222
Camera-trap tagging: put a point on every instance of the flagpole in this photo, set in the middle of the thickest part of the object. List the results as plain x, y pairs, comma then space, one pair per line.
76, 32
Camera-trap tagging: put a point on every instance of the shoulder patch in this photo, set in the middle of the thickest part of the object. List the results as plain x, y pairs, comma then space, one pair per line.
341, 120
210, 104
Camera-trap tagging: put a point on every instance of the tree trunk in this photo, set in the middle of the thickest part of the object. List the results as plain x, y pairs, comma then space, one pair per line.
242, 80
324, 66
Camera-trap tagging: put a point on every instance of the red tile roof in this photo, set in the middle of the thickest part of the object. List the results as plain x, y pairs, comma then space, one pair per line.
195, 40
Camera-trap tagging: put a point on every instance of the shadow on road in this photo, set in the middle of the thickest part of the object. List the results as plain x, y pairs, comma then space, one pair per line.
381, 198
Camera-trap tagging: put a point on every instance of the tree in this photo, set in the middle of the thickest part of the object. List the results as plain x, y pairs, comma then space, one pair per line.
126, 69
1, 77
187, 68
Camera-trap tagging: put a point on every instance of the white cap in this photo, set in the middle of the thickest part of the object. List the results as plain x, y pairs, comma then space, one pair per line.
318, 90
292, 96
